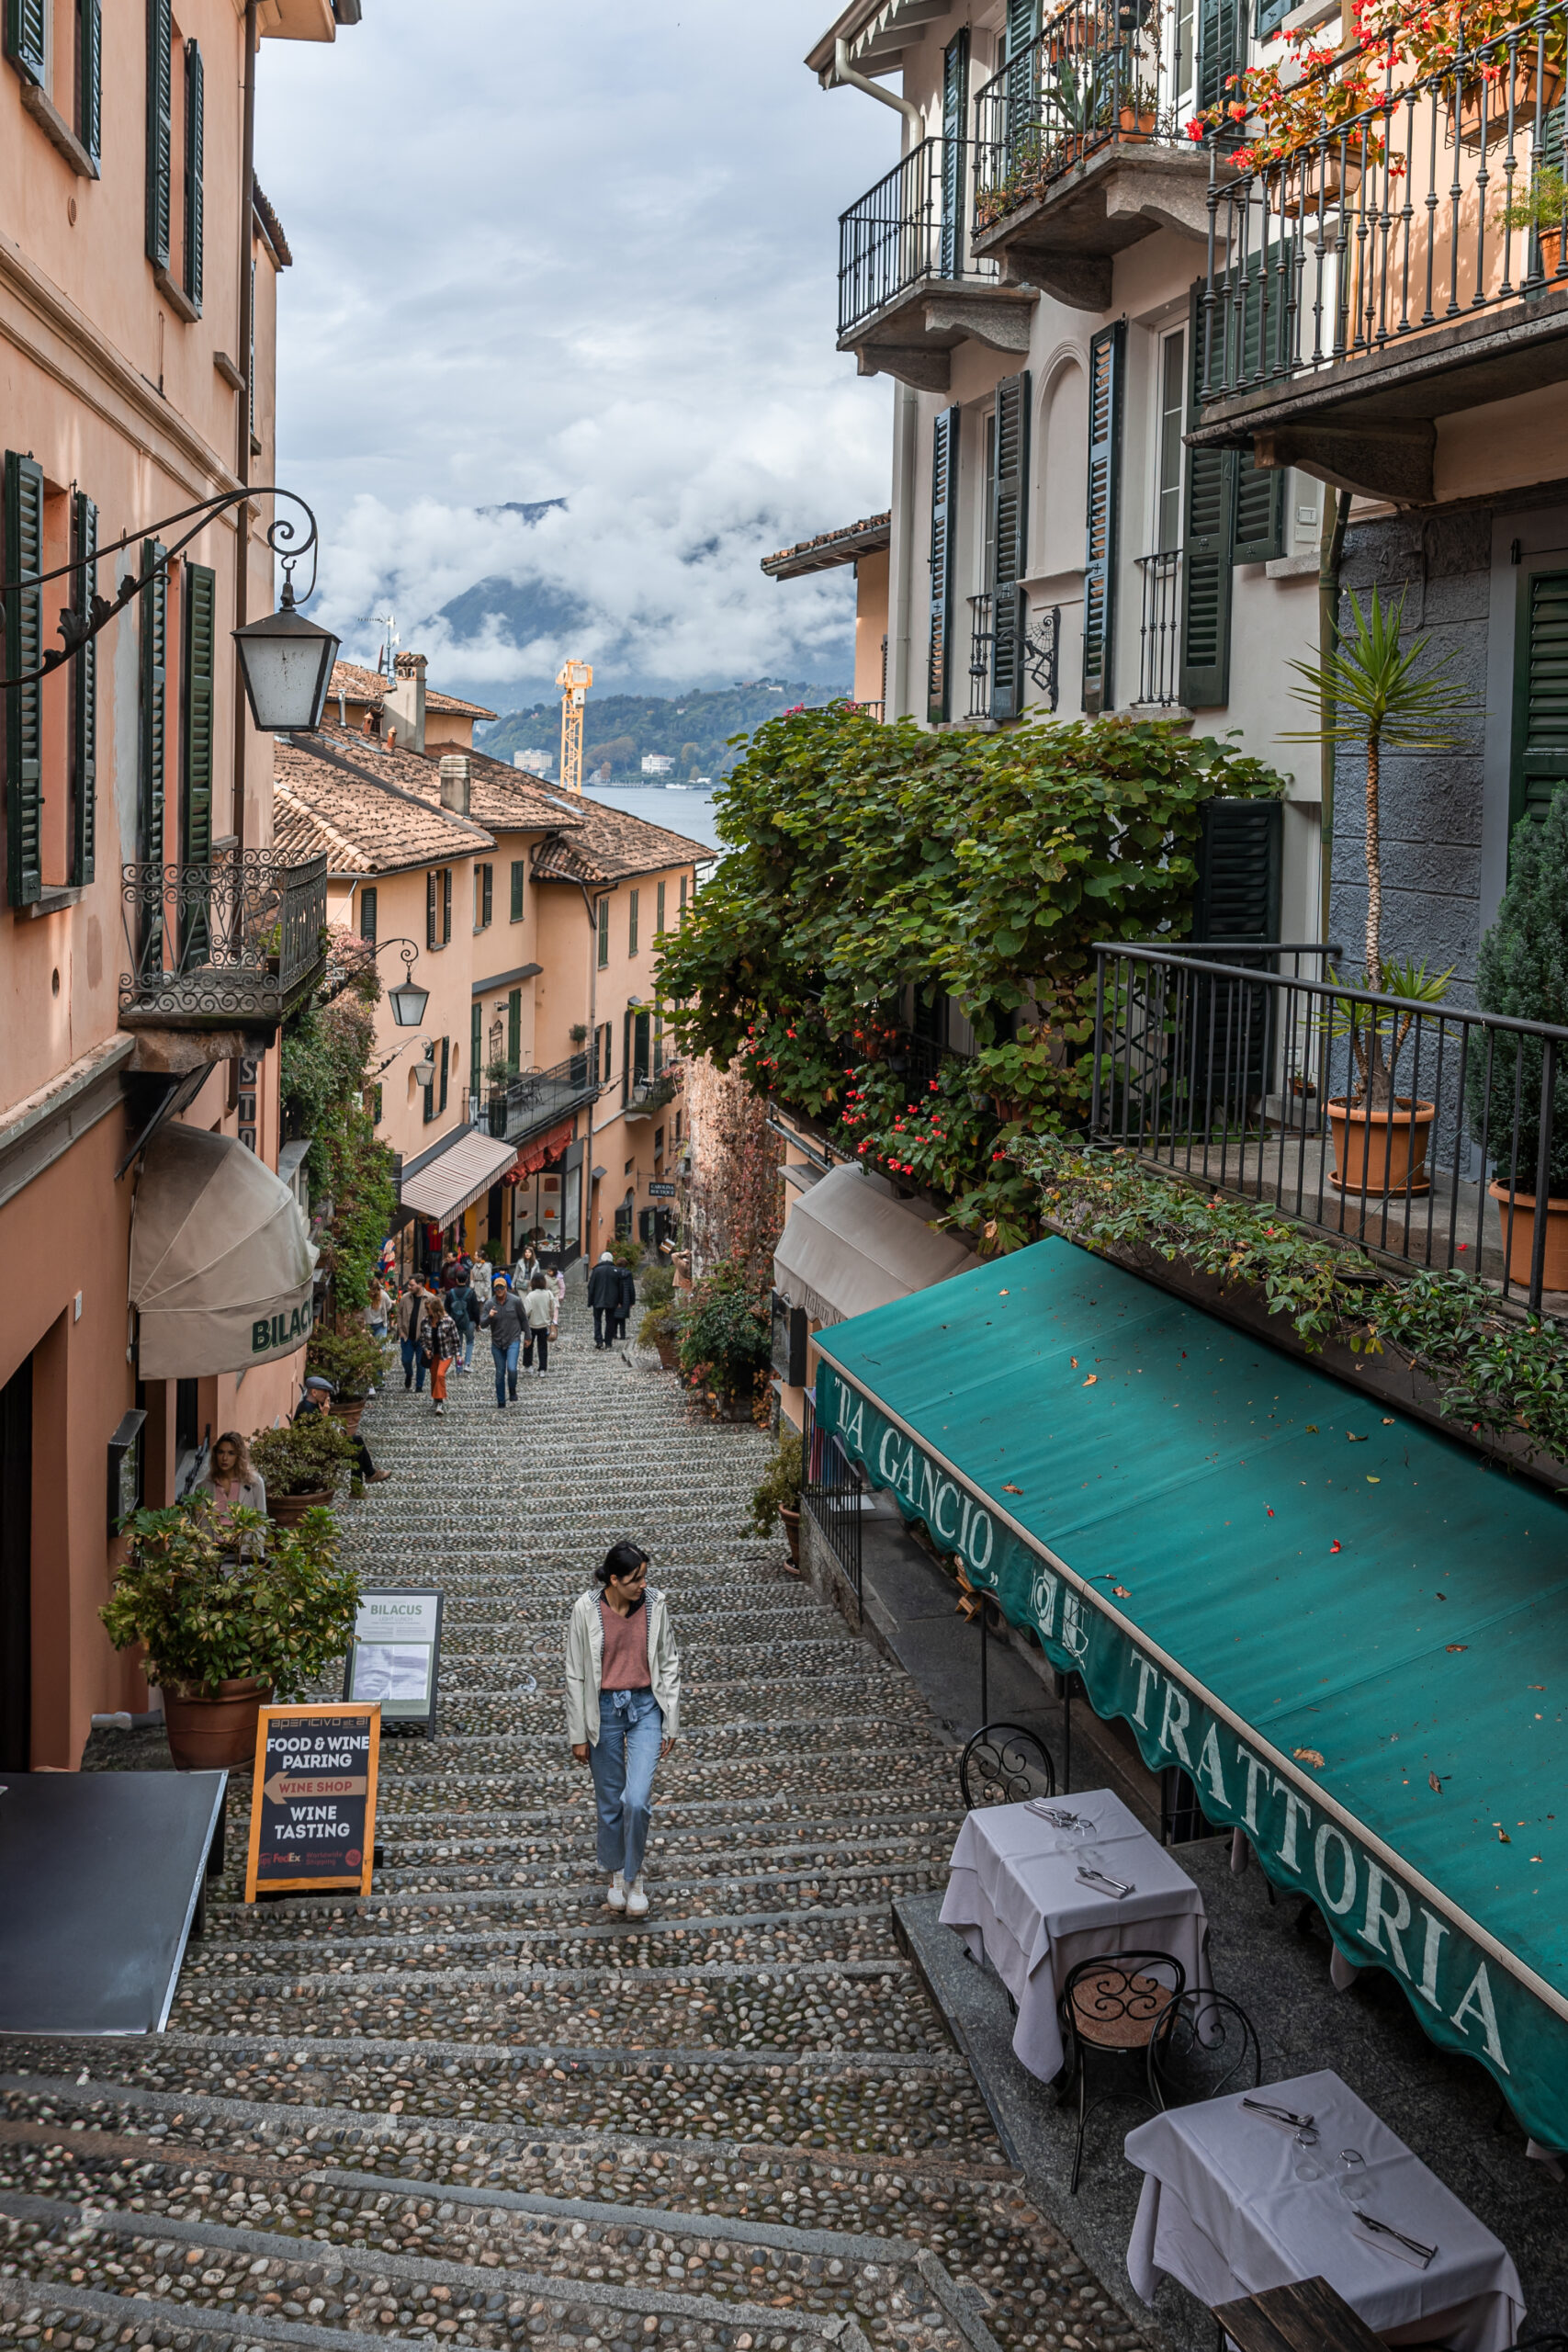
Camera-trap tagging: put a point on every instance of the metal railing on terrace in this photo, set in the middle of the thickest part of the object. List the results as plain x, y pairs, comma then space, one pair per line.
536, 1099
1159, 627
912, 227
1424, 1132
1390, 201
236, 938
1093, 78
830, 1495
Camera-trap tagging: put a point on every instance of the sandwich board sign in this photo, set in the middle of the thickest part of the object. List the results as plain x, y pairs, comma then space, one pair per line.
313, 1800
395, 1655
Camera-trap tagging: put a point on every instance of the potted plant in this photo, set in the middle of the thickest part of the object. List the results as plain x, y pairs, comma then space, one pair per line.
1521, 971
778, 1494
1372, 692
225, 1629
353, 1362
303, 1465
727, 1341
661, 1324
1542, 206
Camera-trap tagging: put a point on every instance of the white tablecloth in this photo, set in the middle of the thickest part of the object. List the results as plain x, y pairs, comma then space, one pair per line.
1222, 2213
1015, 1897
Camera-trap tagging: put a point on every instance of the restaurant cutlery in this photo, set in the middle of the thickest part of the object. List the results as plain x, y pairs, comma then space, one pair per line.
1057, 1816
1423, 2253
1280, 2114
1107, 1885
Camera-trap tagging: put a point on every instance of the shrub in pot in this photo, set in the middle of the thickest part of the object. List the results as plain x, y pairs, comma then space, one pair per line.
230, 1611
354, 1363
303, 1463
1522, 970
726, 1337
777, 1497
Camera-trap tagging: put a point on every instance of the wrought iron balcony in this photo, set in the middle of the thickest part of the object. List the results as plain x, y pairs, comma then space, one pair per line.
1077, 151
908, 290
537, 1098
1160, 630
1405, 260
234, 942
1424, 1132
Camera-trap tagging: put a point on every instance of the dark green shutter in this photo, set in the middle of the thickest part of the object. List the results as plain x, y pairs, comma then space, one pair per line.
1219, 49
24, 703
1259, 526
1107, 352
944, 549
1225, 1039
90, 106
159, 33
955, 126
488, 915
430, 891
1238, 870
476, 1047
1208, 541
1020, 25
25, 37
1271, 15
151, 746
196, 766
517, 890
1539, 766
1010, 522
446, 1067
514, 1029
84, 696
194, 81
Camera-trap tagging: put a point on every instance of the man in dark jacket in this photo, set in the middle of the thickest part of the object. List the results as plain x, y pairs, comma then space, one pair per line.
604, 1297
625, 1298
503, 1318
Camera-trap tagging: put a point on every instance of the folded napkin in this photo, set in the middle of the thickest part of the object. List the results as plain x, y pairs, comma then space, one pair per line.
1364, 2226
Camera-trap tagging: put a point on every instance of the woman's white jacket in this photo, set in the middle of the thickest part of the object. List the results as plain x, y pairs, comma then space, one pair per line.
585, 1662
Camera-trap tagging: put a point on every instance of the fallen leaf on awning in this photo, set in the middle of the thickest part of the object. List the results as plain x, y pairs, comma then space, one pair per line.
1121, 1592
1270, 1515
1371, 1481
1388, 1421
1308, 1756
1434, 1784
1504, 1838
1090, 1381
1002, 1294
1312, 1428
1357, 1440
1074, 1361
1335, 1545
1009, 1488
1456, 1646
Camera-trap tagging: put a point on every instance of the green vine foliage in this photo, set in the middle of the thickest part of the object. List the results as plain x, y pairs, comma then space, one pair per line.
328, 1047
726, 1334
865, 860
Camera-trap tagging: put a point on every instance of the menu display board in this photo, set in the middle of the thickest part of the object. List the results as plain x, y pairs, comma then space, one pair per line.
313, 1800
395, 1656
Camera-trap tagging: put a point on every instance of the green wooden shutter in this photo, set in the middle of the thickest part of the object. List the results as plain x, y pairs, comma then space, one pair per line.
84, 696
944, 549
159, 33
90, 106
25, 37
446, 1067
514, 1030
1010, 522
476, 1047
955, 128
1238, 870
197, 750
1271, 15
517, 871
1540, 764
1206, 555
195, 82
1019, 27
1107, 352
1259, 532
152, 738
24, 703
431, 887
1219, 49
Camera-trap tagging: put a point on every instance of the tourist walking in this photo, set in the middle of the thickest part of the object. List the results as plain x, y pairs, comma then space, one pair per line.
625, 1298
412, 1310
623, 1710
527, 1266
541, 1315
482, 1277
461, 1305
503, 1318
378, 1308
441, 1344
604, 1295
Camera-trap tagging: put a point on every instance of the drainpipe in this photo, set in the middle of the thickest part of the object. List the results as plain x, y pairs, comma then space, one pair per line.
844, 76
1331, 549
243, 401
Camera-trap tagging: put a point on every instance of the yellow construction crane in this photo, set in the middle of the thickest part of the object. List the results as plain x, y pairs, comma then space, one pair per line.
574, 679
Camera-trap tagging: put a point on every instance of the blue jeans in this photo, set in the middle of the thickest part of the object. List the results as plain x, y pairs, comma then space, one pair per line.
622, 1761
412, 1362
506, 1362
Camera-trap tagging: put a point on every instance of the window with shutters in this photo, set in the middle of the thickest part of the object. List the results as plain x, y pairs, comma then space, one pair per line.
602, 1064
1538, 767
476, 1044
683, 898
1106, 368
519, 870
603, 934
514, 1029
367, 916
84, 689
446, 1061
193, 113
152, 734
1169, 452
57, 46
24, 534
445, 905
631, 924
1010, 508
437, 905
484, 897
160, 132
659, 912
943, 553
198, 668
955, 154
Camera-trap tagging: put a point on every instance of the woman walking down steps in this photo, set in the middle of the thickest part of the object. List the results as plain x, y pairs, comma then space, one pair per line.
623, 1707
494, 2070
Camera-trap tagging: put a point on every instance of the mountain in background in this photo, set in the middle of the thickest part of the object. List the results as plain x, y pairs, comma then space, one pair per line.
690, 729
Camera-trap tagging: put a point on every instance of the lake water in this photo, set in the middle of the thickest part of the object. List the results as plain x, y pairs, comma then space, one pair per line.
689, 812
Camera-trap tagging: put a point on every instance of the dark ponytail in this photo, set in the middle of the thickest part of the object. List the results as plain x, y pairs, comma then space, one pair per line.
622, 1559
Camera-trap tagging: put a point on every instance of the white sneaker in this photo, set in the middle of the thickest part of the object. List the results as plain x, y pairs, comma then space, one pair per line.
616, 1897
637, 1901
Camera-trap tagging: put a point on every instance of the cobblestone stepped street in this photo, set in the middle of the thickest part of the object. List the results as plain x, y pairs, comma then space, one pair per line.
480, 2108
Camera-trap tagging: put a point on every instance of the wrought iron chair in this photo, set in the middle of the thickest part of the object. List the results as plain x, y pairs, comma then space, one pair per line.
1110, 2008
1004, 1764
1203, 2045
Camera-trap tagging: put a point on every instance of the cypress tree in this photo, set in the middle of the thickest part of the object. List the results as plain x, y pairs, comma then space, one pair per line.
1522, 970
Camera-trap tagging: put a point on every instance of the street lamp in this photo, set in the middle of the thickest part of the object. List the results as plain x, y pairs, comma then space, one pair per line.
408, 999
286, 664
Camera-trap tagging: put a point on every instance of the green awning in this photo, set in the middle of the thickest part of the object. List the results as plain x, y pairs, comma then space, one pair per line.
1351, 1632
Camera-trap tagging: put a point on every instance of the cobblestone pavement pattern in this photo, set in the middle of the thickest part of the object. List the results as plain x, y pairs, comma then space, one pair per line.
479, 2107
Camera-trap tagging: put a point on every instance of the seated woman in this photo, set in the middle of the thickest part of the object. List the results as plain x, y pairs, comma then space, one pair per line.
231, 1484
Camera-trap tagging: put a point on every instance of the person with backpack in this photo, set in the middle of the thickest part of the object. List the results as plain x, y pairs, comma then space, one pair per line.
541, 1313
503, 1318
413, 1308
440, 1344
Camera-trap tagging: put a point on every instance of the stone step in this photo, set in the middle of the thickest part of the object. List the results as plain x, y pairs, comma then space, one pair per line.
573, 1895
848, 1931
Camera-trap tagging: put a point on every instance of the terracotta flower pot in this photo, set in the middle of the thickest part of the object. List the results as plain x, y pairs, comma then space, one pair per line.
1380, 1152
1137, 122
1518, 1237
791, 1532
1317, 184
290, 1510
1525, 99
668, 1355
1551, 243
214, 1733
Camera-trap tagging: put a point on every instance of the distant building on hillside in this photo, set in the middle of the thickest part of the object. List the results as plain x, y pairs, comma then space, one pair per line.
535, 762
656, 762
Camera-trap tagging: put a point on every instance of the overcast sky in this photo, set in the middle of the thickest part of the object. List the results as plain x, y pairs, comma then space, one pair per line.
585, 252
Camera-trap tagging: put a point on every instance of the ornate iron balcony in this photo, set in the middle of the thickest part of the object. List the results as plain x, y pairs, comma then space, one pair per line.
239, 940
536, 1099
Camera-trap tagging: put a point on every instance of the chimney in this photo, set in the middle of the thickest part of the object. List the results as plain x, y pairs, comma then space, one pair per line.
455, 782
404, 700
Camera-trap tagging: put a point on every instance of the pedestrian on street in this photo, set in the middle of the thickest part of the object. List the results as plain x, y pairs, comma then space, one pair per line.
603, 1297
441, 1343
503, 1320
459, 1306
483, 1275
523, 1272
541, 1313
473, 1308
623, 1709
378, 1308
625, 1298
412, 1310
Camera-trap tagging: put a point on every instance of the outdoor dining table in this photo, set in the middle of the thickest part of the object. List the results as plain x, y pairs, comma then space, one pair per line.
1015, 1896
1225, 2212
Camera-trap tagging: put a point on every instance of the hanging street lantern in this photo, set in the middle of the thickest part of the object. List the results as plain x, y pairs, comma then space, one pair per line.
408, 999
287, 663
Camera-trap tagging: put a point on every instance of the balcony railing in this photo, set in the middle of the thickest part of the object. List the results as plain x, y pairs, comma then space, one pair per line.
238, 939
830, 1496
912, 227
537, 1098
1089, 80
1424, 1132
1401, 219
1159, 629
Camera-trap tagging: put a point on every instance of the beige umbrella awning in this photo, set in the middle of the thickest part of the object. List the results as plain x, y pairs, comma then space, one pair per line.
459, 1176
849, 1247
221, 1263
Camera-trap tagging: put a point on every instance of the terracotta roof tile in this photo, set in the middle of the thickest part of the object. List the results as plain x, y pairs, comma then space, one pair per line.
366, 822
613, 844
505, 799
356, 684
846, 545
